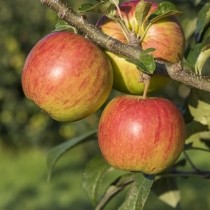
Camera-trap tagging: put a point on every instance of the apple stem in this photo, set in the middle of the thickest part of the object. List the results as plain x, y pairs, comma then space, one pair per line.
145, 78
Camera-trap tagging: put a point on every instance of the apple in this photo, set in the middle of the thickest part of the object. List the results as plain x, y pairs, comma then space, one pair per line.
67, 76
137, 134
165, 35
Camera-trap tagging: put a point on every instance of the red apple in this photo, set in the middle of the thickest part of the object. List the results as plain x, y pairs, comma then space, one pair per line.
67, 76
138, 134
165, 35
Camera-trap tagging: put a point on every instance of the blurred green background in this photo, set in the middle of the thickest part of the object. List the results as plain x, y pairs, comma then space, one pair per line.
27, 134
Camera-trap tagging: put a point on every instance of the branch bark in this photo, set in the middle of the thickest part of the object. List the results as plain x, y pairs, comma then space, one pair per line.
175, 71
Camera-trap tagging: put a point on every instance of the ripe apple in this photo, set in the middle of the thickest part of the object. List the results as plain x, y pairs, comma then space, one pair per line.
67, 76
138, 134
165, 35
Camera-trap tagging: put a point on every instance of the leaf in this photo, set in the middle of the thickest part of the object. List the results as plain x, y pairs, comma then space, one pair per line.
93, 175
112, 177
199, 106
138, 192
194, 53
103, 7
195, 127
86, 7
146, 62
188, 146
55, 154
205, 138
167, 191
62, 25
203, 21
180, 163
98, 177
148, 50
141, 11
206, 33
165, 9
117, 186
141, 66
202, 59
115, 2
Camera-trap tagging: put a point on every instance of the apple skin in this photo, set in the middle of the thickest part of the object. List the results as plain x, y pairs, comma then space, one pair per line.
127, 78
165, 35
138, 134
67, 76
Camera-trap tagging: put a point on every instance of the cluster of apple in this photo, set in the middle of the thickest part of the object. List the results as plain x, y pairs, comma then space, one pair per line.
69, 77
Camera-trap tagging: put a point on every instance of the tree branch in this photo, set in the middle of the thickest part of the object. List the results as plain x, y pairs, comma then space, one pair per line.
175, 71
179, 73
66, 13
186, 174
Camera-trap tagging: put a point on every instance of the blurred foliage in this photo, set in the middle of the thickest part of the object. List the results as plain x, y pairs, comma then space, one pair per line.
23, 184
19, 31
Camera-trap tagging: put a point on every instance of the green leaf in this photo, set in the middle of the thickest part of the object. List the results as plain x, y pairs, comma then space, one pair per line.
98, 177
115, 2
141, 11
193, 54
86, 7
188, 146
147, 51
167, 191
205, 138
146, 62
203, 21
56, 153
138, 192
206, 34
165, 9
202, 59
201, 113
195, 127
62, 25
180, 163
195, 51
199, 106
103, 7
93, 175
122, 181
